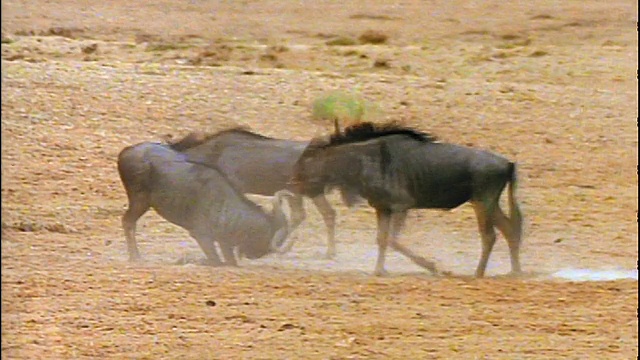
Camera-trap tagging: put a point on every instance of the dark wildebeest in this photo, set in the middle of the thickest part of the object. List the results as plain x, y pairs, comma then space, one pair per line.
256, 164
199, 199
397, 168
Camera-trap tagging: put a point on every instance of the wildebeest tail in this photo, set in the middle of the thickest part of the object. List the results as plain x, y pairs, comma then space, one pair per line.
132, 170
515, 215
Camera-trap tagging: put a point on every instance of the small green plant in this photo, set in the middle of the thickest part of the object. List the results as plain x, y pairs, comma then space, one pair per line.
344, 106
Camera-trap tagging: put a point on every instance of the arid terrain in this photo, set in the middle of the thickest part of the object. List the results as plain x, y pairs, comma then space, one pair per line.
551, 85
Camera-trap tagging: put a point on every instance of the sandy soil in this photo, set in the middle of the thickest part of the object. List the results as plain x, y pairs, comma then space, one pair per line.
550, 85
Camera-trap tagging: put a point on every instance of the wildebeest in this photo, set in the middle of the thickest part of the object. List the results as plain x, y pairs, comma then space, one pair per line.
257, 164
397, 168
201, 200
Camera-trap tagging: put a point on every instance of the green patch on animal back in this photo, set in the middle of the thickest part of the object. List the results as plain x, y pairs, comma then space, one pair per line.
347, 107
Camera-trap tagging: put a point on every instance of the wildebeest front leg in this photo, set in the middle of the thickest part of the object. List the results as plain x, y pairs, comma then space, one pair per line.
138, 205
329, 217
487, 234
384, 219
513, 238
397, 224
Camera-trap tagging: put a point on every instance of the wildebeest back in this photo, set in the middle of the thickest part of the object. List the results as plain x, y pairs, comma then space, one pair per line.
436, 175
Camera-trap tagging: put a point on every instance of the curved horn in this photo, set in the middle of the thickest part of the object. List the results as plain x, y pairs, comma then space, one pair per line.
281, 220
283, 193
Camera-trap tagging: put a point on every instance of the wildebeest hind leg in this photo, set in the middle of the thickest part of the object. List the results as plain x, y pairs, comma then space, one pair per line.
138, 205
229, 256
384, 218
329, 217
209, 248
397, 224
487, 234
513, 239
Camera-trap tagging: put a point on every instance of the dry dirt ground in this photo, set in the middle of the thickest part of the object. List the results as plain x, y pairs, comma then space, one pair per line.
551, 85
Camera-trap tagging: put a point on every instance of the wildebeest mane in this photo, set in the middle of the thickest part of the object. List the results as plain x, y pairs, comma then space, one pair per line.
367, 130
196, 138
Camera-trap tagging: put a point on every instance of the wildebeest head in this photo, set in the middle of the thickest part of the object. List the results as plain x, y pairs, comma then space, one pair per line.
280, 224
317, 168
309, 176
317, 171
338, 160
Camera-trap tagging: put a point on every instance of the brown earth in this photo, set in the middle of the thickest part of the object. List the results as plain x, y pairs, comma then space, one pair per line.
551, 85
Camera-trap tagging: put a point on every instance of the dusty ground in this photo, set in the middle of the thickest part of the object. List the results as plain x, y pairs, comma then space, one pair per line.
551, 85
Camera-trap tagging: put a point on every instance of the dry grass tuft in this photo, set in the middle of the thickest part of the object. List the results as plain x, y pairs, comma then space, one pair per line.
373, 37
341, 41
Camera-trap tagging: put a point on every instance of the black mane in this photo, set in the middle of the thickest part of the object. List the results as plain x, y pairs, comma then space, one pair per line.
367, 130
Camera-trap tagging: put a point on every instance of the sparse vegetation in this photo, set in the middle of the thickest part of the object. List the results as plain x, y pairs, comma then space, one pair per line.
538, 53
371, 17
67, 32
341, 41
89, 49
382, 63
212, 55
166, 46
542, 17
29, 225
6, 39
373, 37
277, 49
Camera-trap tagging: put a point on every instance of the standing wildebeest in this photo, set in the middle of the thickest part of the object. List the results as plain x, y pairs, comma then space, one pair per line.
256, 164
199, 199
397, 168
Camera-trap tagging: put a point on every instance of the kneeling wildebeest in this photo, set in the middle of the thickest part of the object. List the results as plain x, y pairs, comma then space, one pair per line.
257, 164
199, 199
397, 168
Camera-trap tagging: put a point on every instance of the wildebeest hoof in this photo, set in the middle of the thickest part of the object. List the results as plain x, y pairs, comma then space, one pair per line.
515, 274
330, 255
209, 262
381, 272
427, 264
